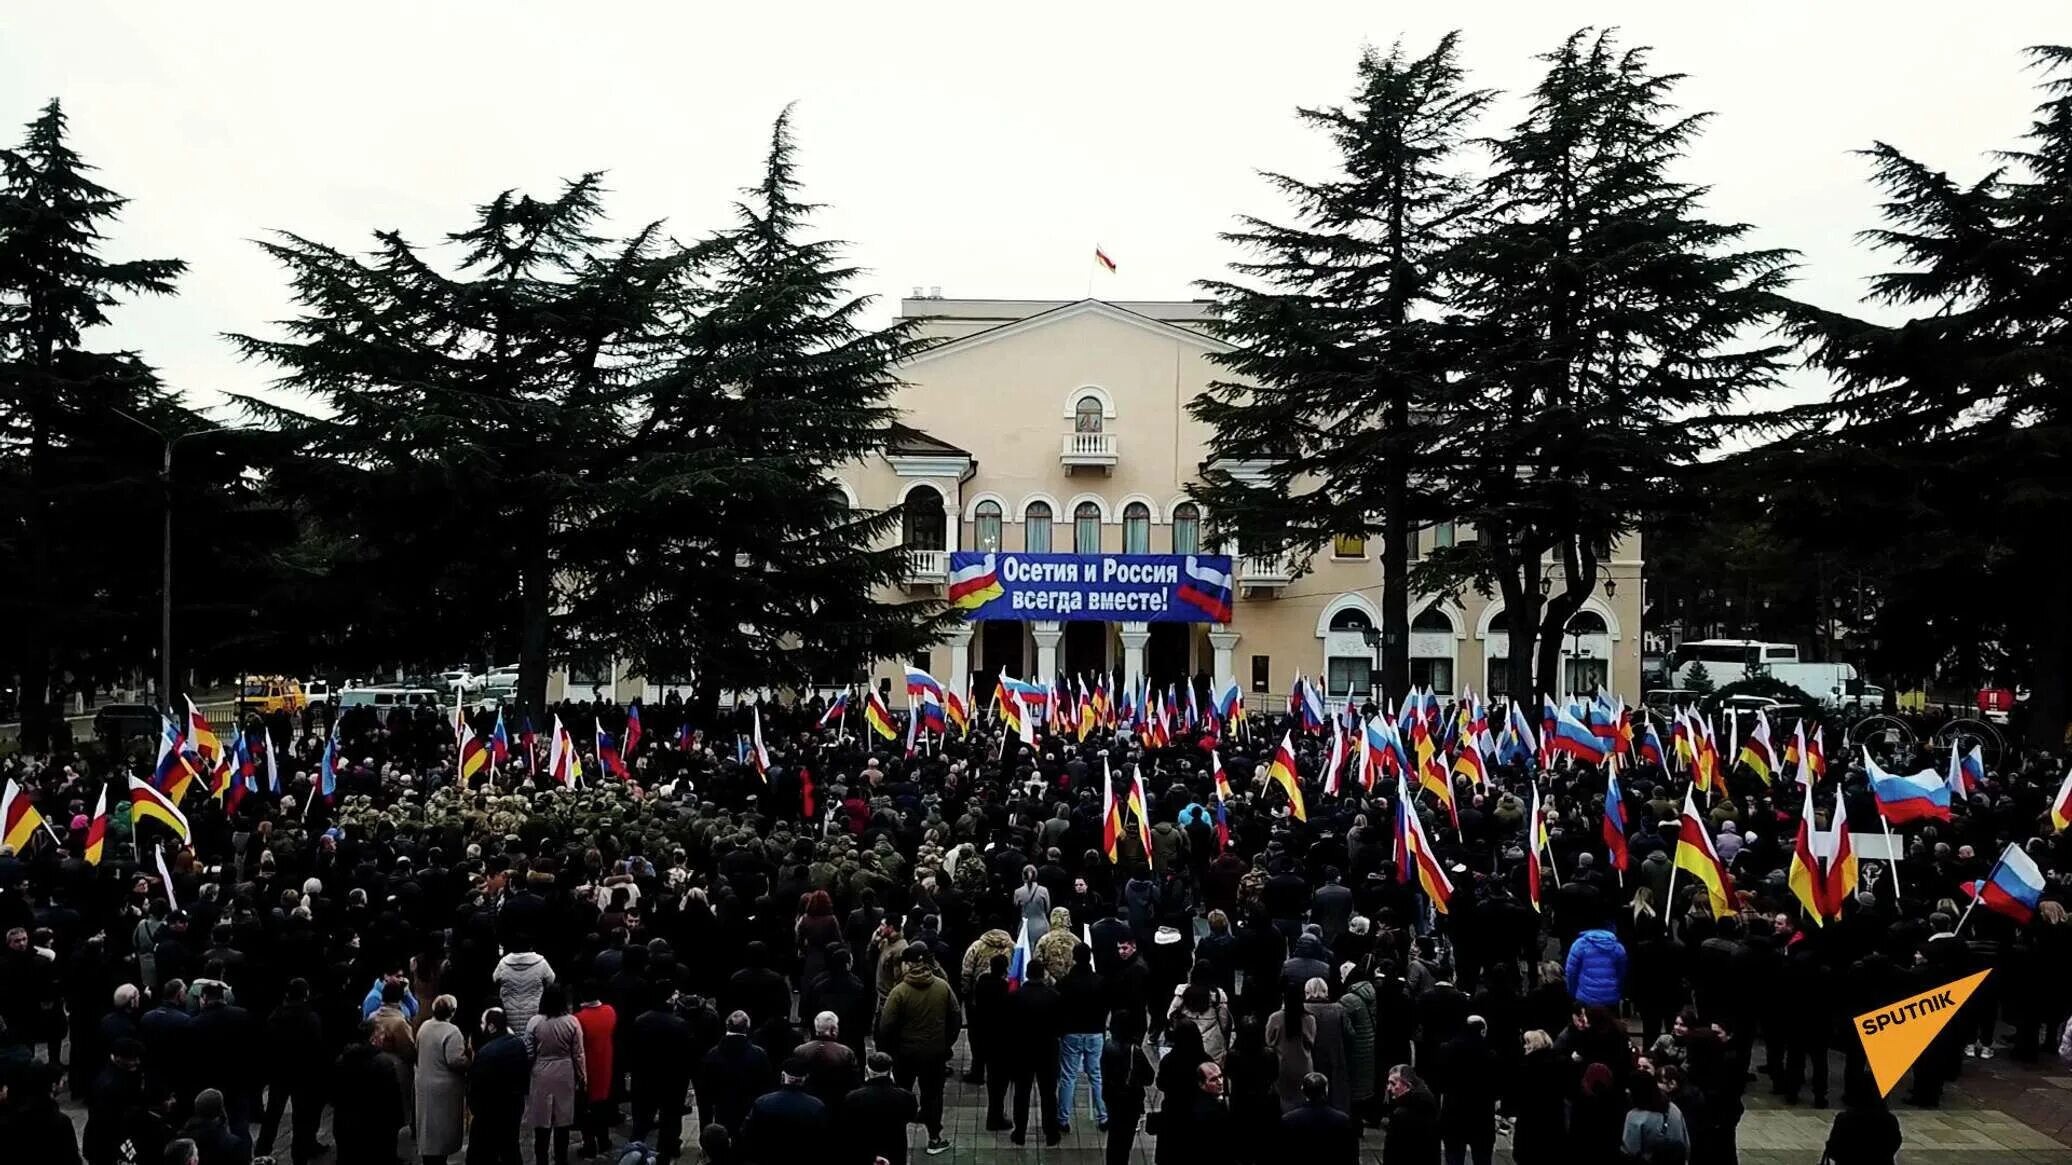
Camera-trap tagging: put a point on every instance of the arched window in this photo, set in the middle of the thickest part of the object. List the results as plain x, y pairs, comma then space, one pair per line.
1036, 528
985, 534
1433, 619
1086, 415
1587, 623
1186, 528
921, 519
1086, 527
1351, 619
1500, 622
1136, 528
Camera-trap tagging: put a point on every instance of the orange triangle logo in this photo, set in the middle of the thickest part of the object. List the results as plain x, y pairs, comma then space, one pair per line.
1894, 1036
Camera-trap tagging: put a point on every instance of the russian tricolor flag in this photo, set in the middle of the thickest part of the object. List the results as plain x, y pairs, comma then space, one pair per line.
1018, 962
1207, 590
1574, 737
1923, 796
2013, 888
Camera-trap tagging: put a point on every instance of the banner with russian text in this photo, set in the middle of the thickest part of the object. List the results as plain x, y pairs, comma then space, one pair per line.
1119, 588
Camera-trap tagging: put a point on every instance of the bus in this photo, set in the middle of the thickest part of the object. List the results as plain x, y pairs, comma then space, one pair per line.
1728, 660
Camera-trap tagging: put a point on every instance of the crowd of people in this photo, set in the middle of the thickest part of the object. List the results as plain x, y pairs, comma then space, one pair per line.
710, 960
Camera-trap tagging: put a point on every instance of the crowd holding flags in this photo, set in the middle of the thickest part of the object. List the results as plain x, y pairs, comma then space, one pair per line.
1696, 856
19, 819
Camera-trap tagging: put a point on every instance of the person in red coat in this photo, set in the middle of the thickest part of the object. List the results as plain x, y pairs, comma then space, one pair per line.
599, 1020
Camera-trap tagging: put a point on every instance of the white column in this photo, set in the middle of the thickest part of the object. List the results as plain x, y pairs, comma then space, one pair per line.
1224, 641
1047, 633
1134, 637
959, 677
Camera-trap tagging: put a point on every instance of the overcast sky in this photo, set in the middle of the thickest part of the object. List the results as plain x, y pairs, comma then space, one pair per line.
984, 149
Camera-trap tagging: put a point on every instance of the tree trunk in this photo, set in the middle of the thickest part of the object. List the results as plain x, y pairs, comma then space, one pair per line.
536, 602
1395, 553
38, 716
2048, 694
1579, 578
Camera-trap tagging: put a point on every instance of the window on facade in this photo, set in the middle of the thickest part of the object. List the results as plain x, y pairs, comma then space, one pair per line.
1136, 528
1499, 682
1036, 528
1343, 673
1186, 528
1432, 619
1586, 675
1587, 623
1348, 546
1086, 415
985, 532
1442, 535
1434, 672
922, 524
1260, 672
1086, 529
1351, 619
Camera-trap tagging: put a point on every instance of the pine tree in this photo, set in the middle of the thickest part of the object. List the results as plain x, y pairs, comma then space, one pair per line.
1603, 324
738, 564
1959, 416
1332, 332
474, 419
1698, 680
70, 468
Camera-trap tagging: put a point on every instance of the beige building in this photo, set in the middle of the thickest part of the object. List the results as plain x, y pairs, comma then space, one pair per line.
1062, 426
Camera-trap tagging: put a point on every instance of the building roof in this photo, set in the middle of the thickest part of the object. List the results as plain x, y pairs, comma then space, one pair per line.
1001, 319
905, 440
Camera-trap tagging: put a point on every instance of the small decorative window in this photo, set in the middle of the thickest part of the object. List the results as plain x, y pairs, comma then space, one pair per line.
1086, 415
985, 534
1136, 528
1442, 535
1348, 546
1036, 528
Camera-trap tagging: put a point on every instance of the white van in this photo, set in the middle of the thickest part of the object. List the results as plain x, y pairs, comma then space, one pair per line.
390, 697
1728, 660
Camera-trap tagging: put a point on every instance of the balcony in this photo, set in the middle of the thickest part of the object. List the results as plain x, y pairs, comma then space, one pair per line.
1263, 571
928, 567
1088, 451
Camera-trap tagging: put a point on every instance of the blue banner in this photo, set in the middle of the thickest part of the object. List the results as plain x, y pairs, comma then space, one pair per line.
1118, 588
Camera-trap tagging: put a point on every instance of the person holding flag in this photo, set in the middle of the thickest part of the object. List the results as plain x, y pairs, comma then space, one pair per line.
633, 731
837, 709
1538, 848
474, 755
1414, 852
499, 743
1111, 815
1140, 808
1613, 826
1805, 879
757, 754
877, 715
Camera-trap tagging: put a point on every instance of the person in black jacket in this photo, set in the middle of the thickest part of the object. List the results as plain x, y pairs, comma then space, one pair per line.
660, 1051
1035, 1019
166, 1031
840, 990
117, 1088
786, 1126
1465, 1073
874, 1118
1413, 1125
298, 1068
731, 1076
1195, 1126
499, 1078
1083, 1020
369, 1104
1313, 1131
222, 1038
1125, 1073
211, 1134
758, 989
33, 1128
983, 1015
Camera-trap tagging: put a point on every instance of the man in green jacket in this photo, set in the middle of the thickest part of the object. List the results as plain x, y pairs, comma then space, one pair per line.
919, 1025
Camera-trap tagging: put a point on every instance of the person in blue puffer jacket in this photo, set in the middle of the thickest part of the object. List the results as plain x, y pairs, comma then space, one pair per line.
1596, 968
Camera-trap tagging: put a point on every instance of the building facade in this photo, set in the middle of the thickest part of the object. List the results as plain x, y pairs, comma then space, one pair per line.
1062, 427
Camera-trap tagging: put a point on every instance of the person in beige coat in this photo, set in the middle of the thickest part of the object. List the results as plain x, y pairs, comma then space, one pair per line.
442, 1083
558, 1074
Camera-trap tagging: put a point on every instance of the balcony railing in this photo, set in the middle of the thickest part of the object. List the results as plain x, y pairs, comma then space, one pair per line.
1263, 570
928, 566
1095, 449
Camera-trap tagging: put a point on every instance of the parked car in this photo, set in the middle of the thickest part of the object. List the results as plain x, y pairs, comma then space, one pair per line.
317, 691
267, 695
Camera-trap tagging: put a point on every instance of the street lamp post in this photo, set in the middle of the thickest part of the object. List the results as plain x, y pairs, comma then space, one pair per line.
165, 564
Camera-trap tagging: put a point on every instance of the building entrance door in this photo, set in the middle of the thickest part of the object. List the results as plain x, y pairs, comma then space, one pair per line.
1086, 651
1000, 644
1168, 656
